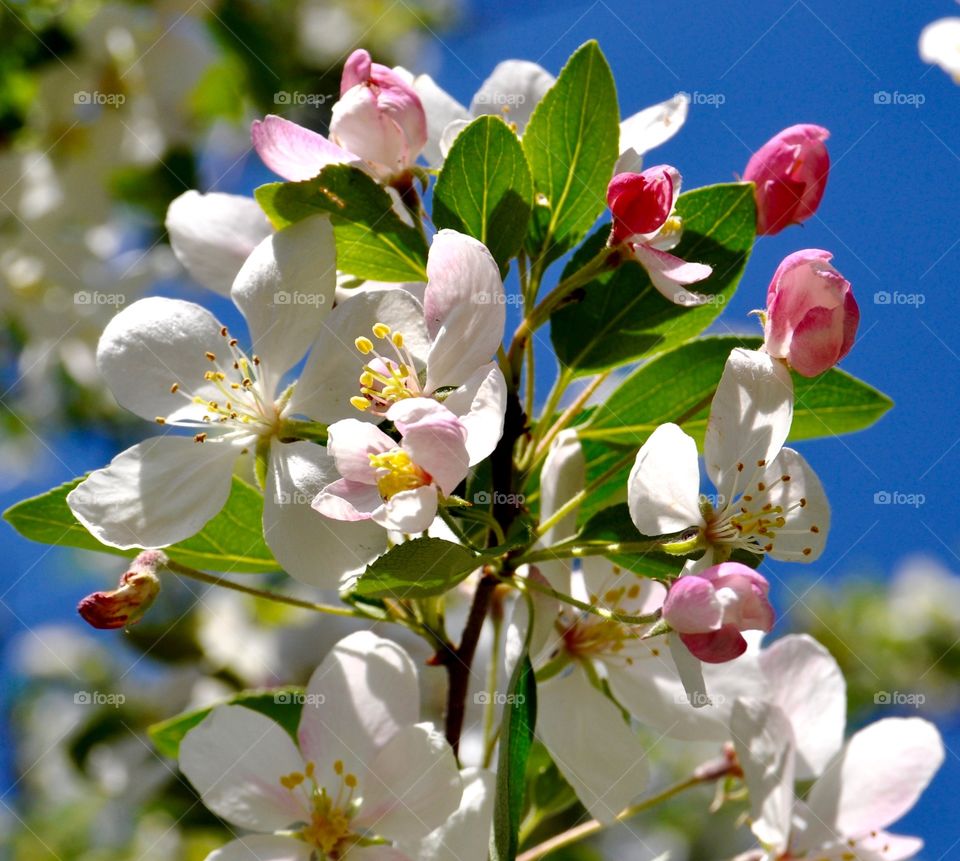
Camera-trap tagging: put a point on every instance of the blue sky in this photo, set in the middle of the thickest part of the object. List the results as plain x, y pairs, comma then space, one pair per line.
889, 217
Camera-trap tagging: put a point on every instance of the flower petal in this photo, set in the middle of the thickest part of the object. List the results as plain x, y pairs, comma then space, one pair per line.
155, 493
285, 289
441, 110
212, 234
409, 511
314, 549
263, 847
293, 152
593, 746
763, 738
692, 606
351, 442
808, 686
435, 439
412, 785
669, 274
804, 536
348, 500
663, 490
235, 758
464, 307
465, 836
151, 345
481, 403
647, 129
331, 375
877, 778
749, 421
360, 697
512, 91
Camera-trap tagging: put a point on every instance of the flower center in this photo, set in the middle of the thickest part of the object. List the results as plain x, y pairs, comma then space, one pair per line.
246, 407
329, 826
397, 472
385, 380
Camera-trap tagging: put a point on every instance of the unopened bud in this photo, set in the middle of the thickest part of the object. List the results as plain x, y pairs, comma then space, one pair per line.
126, 605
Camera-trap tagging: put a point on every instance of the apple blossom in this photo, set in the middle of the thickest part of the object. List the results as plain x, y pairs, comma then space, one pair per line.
811, 318
396, 485
172, 362
364, 780
513, 90
377, 124
868, 785
125, 605
709, 609
790, 173
441, 348
642, 206
769, 500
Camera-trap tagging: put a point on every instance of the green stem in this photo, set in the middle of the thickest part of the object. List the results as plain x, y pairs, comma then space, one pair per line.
587, 829
203, 577
602, 612
486, 519
574, 549
297, 429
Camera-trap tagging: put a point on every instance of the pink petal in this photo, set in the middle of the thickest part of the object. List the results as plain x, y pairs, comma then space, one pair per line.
716, 647
293, 152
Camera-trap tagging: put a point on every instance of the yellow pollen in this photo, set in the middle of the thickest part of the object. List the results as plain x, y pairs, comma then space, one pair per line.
381, 330
338, 766
292, 780
351, 781
359, 402
174, 388
309, 769
397, 472
397, 339
367, 379
364, 345
211, 356
200, 437
160, 420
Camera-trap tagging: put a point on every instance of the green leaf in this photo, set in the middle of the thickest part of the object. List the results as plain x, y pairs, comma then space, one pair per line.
516, 739
372, 240
417, 569
621, 318
679, 385
572, 144
282, 705
232, 541
485, 189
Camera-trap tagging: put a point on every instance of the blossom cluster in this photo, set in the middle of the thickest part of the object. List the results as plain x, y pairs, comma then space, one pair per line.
390, 428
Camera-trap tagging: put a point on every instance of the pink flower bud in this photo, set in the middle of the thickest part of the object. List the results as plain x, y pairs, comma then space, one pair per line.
641, 202
710, 609
125, 605
811, 316
790, 172
379, 116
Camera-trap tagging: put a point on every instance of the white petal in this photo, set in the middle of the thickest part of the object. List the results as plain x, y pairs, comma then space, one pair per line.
157, 492
212, 234
315, 549
594, 748
331, 375
151, 345
544, 639
670, 274
877, 778
464, 308
235, 758
363, 694
763, 738
663, 490
808, 686
412, 785
512, 91
749, 418
351, 442
647, 129
441, 109
940, 44
450, 133
465, 836
804, 536
409, 511
263, 847
285, 290
481, 404
379, 853
690, 670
